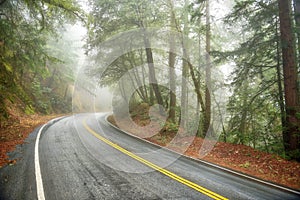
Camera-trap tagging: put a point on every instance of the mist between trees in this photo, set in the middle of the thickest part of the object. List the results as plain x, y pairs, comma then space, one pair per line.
256, 103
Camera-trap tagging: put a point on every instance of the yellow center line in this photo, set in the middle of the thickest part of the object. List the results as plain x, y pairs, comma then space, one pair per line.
156, 167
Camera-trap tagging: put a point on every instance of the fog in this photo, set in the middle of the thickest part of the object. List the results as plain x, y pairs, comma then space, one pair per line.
86, 94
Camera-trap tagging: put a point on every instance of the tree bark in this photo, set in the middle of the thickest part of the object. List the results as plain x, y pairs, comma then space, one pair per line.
184, 74
242, 129
279, 82
207, 114
152, 76
297, 21
291, 133
172, 56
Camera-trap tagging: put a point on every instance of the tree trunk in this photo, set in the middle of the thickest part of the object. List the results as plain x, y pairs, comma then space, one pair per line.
291, 133
172, 56
199, 110
137, 79
221, 118
297, 21
242, 129
152, 76
279, 82
51, 80
183, 103
207, 114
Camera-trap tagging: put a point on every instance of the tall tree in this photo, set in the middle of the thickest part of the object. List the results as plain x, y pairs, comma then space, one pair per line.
185, 68
172, 57
291, 133
297, 28
207, 113
141, 10
258, 64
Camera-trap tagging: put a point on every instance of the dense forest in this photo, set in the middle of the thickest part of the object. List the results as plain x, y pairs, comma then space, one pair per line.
37, 57
225, 69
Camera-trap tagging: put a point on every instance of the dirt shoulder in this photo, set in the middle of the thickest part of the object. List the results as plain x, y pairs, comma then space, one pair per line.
240, 158
16, 130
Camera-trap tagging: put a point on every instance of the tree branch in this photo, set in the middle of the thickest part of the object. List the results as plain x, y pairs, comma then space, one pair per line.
72, 9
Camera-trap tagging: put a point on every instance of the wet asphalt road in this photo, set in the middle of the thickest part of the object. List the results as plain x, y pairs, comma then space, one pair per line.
76, 164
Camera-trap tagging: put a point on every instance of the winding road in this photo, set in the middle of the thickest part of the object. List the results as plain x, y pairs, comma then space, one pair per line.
83, 157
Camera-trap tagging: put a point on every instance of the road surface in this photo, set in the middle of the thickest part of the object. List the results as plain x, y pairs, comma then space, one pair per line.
82, 157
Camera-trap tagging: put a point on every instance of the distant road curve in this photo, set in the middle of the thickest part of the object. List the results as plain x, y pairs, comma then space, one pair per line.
82, 157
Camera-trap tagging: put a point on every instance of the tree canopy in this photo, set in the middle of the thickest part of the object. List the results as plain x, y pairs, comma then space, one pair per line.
27, 68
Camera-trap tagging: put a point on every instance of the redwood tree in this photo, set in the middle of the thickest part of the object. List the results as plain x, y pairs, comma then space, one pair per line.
172, 57
291, 132
207, 114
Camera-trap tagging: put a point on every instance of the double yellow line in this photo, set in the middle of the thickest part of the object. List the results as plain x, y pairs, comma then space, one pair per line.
157, 168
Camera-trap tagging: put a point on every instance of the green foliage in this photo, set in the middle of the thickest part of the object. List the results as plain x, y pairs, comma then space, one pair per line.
254, 107
106, 19
171, 127
140, 110
245, 165
298, 115
25, 29
59, 104
292, 154
29, 110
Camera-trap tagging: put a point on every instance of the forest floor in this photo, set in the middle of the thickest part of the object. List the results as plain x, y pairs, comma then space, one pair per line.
241, 158
16, 129
15, 133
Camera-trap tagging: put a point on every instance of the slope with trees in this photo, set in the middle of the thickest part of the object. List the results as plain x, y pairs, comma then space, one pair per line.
31, 74
265, 79
263, 107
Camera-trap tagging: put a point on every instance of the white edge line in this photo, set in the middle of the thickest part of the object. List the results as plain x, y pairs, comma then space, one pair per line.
38, 174
208, 163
